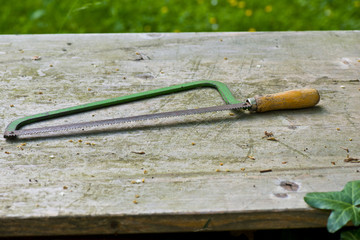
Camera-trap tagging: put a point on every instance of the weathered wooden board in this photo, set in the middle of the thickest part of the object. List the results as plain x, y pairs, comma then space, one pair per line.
195, 173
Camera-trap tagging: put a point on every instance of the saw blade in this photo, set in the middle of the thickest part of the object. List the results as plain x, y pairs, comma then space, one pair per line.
91, 124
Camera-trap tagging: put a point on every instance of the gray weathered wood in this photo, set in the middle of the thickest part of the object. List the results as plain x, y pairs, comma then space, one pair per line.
198, 175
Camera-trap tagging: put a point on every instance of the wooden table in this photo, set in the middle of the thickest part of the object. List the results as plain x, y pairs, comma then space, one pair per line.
194, 173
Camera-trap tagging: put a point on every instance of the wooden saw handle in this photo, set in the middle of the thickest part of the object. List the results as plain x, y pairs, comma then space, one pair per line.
293, 99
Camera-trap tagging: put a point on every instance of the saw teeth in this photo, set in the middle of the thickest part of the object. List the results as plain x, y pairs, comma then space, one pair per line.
10, 135
106, 122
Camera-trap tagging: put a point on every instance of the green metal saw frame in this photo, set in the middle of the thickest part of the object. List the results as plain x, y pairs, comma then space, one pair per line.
221, 87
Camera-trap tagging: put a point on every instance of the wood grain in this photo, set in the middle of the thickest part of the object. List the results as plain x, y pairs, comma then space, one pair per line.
192, 168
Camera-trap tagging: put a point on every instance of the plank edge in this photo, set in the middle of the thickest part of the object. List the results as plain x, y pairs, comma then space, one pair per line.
163, 223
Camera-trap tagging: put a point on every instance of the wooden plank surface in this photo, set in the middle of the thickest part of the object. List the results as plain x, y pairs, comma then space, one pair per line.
195, 173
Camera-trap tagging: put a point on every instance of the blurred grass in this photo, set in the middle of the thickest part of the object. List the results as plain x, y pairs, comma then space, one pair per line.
108, 16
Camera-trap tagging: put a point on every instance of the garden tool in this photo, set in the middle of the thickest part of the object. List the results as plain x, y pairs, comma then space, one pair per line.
293, 99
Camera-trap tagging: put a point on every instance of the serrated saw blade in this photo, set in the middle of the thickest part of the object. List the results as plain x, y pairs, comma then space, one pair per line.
91, 124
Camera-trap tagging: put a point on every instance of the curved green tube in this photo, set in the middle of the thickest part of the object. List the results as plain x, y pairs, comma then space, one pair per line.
221, 87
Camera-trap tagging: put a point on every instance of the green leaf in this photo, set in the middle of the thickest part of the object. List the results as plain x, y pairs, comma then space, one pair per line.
351, 235
344, 205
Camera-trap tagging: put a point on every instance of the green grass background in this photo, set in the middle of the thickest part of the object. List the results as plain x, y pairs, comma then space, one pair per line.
111, 16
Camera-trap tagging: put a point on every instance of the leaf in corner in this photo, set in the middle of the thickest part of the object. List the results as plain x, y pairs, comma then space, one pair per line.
345, 205
351, 234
